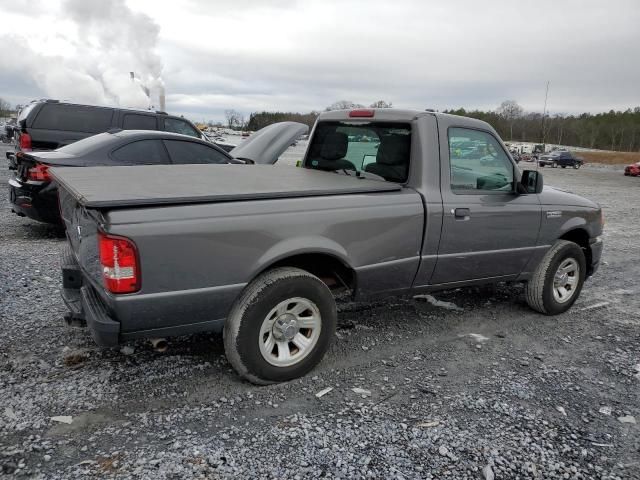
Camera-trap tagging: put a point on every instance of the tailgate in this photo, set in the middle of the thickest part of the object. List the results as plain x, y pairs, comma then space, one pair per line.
82, 229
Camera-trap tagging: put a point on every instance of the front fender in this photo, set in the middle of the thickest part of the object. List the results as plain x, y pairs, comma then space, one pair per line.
587, 220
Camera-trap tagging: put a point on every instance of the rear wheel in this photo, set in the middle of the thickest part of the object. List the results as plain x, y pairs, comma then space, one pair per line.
558, 280
280, 327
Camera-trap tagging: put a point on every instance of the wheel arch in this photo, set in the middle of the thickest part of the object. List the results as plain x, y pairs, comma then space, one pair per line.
580, 236
325, 259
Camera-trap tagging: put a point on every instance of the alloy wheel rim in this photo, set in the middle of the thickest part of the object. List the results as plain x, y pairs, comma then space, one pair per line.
565, 280
290, 332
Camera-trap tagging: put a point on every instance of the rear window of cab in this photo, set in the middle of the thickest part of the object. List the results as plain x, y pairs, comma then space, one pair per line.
381, 149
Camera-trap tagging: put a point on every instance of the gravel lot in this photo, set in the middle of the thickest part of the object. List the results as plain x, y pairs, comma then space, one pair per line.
480, 388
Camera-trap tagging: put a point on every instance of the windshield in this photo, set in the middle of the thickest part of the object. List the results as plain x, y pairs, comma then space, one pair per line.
86, 145
382, 149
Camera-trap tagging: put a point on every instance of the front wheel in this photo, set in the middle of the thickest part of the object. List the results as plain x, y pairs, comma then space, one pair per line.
280, 327
576, 165
558, 279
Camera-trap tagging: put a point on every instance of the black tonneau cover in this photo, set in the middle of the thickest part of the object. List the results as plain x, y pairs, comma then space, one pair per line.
111, 187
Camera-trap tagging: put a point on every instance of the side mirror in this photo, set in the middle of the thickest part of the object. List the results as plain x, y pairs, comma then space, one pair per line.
531, 182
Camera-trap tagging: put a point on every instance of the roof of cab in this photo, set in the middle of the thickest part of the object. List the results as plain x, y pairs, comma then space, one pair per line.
401, 115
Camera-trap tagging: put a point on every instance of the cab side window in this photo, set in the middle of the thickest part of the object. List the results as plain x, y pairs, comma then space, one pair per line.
478, 163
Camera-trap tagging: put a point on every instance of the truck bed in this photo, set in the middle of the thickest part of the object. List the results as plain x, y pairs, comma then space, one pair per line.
93, 187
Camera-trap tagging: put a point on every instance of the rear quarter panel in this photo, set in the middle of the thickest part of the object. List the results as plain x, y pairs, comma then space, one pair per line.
196, 259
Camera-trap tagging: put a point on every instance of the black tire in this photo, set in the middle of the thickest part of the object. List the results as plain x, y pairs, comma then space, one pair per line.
243, 325
541, 164
577, 165
539, 289
563, 166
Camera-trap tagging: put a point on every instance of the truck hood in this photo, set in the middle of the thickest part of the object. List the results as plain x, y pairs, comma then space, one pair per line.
267, 144
555, 196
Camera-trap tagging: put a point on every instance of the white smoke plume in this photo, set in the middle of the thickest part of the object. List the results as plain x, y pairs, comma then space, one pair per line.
108, 41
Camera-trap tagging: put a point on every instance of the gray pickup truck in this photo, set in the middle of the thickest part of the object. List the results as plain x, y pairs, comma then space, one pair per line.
385, 202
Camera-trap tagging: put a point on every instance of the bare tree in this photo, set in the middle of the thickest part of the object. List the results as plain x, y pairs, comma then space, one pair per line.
343, 105
510, 111
233, 118
5, 108
381, 104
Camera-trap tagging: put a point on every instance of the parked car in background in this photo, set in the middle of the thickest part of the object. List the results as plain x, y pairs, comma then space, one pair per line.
632, 170
220, 142
226, 146
560, 158
32, 193
51, 124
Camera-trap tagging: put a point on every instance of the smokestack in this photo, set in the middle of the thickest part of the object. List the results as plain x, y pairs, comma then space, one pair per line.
162, 101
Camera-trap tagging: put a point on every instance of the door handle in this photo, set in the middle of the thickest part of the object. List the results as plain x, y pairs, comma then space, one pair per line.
461, 213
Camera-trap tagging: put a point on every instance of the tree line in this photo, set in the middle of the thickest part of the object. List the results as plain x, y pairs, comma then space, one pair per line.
258, 120
612, 130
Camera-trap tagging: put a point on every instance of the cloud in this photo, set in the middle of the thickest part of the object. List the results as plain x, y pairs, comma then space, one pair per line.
304, 55
99, 43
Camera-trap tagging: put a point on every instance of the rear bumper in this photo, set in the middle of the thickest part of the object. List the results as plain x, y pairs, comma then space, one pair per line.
114, 320
34, 201
84, 305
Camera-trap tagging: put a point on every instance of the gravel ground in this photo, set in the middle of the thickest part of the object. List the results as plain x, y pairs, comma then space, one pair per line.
477, 388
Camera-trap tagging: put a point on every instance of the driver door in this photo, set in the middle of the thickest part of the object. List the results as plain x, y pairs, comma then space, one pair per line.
488, 231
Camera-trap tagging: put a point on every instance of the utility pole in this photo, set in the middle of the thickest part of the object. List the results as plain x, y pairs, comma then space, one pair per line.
544, 113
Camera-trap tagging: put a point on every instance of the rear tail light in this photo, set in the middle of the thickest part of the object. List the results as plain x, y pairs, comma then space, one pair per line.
39, 173
362, 113
120, 266
25, 142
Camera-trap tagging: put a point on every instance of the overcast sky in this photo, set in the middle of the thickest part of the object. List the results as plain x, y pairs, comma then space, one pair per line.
290, 55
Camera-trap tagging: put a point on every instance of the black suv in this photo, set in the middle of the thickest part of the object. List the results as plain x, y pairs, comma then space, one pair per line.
51, 124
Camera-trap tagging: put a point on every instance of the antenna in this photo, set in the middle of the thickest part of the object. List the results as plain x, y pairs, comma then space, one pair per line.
544, 113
